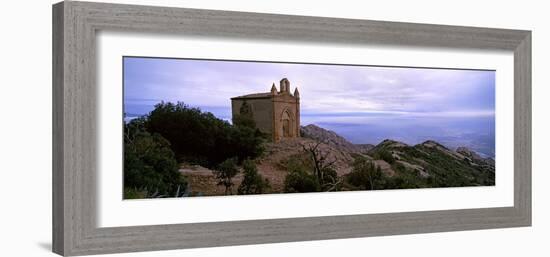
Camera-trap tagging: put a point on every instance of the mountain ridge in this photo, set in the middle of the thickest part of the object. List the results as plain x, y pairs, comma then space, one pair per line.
319, 133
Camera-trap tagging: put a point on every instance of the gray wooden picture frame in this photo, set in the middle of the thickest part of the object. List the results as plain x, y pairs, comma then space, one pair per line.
75, 25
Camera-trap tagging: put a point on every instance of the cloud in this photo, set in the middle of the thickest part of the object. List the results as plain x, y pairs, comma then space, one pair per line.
323, 88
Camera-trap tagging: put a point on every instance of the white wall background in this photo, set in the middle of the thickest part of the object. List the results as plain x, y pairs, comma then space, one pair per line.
25, 128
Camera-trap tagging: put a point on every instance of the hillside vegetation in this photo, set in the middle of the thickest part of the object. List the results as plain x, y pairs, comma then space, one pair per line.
158, 143
431, 164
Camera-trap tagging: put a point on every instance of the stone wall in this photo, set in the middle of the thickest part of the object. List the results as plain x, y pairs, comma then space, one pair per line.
262, 110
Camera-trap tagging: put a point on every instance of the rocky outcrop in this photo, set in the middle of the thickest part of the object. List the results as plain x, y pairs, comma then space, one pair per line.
328, 137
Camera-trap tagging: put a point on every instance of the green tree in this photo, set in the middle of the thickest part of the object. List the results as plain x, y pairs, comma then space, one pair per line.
365, 174
150, 168
253, 182
199, 137
225, 172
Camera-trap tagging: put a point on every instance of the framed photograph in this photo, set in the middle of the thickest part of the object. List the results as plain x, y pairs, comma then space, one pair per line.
183, 128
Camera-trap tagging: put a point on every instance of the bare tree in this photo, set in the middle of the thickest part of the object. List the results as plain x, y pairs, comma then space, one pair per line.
322, 164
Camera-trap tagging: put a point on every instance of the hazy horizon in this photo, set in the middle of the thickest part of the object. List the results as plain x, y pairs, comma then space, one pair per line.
364, 104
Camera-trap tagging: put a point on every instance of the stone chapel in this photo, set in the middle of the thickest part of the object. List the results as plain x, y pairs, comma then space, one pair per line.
276, 113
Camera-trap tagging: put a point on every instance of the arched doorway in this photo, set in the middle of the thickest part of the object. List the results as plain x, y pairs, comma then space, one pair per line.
286, 124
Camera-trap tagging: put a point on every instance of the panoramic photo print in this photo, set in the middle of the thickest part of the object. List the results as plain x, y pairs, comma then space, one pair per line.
196, 127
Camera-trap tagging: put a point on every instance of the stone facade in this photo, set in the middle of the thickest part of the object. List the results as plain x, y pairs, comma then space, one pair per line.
276, 113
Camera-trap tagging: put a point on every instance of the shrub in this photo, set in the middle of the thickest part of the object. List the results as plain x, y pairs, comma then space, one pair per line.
296, 161
330, 180
384, 155
133, 193
150, 168
252, 183
365, 175
299, 181
225, 172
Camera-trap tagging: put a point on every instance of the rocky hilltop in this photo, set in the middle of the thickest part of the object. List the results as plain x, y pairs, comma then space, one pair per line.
441, 166
329, 137
332, 138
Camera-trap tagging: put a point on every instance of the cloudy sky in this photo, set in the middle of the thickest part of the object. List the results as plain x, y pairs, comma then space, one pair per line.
364, 104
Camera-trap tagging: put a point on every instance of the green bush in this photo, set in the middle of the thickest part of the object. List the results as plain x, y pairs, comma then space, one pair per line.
225, 172
403, 181
299, 181
384, 155
133, 193
150, 168
253, 182
366, 175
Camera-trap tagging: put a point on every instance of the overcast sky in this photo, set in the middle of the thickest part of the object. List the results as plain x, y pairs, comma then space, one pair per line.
329, 93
